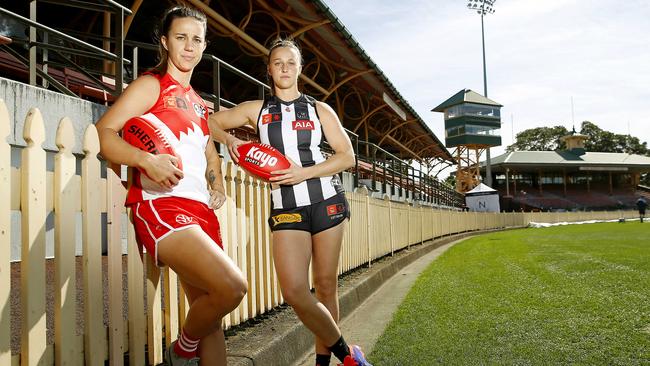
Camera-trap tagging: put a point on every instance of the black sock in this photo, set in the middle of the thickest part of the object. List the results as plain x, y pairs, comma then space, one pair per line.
323, 360
340, 349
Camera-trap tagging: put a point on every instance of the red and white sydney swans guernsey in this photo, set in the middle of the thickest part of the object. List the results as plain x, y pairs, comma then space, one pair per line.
182, 116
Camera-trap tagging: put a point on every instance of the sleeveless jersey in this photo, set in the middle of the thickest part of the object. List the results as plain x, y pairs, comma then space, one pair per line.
182, 116
295, 129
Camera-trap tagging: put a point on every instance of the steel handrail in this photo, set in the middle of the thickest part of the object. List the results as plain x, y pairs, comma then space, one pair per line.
45, 28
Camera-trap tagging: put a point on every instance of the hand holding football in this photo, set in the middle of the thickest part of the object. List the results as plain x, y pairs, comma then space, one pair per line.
261, 159
144, 135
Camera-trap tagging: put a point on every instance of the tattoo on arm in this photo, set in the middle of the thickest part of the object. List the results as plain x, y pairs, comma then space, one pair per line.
211, 176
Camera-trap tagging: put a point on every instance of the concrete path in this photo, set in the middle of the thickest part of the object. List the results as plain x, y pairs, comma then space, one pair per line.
368, 321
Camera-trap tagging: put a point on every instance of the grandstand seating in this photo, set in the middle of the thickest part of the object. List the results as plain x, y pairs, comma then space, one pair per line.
577, 198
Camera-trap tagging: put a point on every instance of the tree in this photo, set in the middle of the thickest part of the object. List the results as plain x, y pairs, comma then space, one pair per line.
604, 141
539, 139
598, 140
451, 180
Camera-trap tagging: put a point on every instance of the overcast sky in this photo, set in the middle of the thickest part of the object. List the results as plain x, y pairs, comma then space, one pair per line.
540, 53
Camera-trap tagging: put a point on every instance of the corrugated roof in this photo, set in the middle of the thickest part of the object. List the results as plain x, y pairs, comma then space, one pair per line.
566, 158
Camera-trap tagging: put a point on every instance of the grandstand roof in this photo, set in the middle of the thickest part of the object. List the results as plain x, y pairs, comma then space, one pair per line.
337, 70
594, 161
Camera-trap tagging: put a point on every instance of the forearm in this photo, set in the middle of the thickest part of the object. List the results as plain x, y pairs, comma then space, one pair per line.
214, 176
217, 129
218, 134
333, 165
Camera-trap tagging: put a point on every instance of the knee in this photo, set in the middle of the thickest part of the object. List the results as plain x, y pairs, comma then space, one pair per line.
326, 286
295, 294
229, 293
238, 286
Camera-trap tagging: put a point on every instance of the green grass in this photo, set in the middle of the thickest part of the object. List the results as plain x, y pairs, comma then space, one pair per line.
577, 295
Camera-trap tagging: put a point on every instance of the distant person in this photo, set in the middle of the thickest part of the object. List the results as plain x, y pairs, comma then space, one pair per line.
641, 204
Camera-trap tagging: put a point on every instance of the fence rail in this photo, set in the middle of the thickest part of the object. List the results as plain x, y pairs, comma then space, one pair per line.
77, 199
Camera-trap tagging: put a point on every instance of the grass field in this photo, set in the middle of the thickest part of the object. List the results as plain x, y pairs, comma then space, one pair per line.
577, 295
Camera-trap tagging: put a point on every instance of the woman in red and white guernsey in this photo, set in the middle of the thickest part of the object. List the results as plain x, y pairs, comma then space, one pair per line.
172, 209
309, 209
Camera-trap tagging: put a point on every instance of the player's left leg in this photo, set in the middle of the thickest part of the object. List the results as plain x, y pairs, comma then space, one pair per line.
326, 248
212, 348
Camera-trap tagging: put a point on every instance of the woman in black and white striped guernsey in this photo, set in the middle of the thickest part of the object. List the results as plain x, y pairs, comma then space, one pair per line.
309, 210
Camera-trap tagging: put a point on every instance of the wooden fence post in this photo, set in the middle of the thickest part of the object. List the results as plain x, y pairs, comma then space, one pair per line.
5, 236
421, 225
137, 318
368, 228
171, 305
93, 190
266, 249
249, 186
242, 238
259, 223
154, 313
32, 263
229, 226
66, 198
408, 224
115, 195
390, 224
222, 217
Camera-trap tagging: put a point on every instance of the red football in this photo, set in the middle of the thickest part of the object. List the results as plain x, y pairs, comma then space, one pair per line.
146, 136
261, 159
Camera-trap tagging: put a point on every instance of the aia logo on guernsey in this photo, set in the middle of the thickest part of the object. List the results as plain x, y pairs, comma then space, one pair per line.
184, 219
303, 124
260, 158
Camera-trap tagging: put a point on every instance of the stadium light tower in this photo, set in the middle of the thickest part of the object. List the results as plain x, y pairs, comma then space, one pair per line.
484, 7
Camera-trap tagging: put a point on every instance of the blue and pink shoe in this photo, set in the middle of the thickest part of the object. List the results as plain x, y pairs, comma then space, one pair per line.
356, 358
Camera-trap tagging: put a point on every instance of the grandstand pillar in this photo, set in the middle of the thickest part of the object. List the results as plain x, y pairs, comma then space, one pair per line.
106, 29
632, 181
610, 184
32, 48
564, 180
384, 183
216, 83
507, 182
374, 168
588, 181
119, 50
423, 197
539, 177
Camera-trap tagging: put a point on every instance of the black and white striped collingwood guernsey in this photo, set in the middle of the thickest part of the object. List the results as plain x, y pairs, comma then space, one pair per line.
294, 129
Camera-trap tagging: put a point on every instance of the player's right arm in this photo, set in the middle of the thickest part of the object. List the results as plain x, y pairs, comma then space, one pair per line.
135, 101
244, 114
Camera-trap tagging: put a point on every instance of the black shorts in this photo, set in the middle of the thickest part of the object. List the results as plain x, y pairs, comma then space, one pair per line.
313, 218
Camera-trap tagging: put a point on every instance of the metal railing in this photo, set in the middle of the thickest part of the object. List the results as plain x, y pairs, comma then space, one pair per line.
398, 176
84, 49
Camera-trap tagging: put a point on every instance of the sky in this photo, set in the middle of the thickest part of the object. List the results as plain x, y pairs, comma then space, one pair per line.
540, 55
